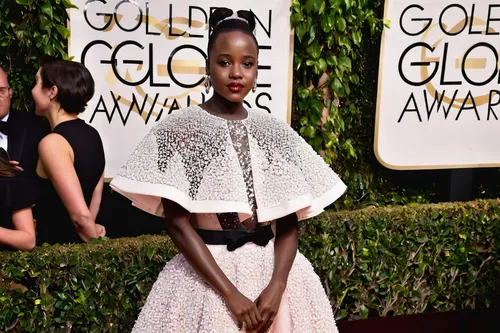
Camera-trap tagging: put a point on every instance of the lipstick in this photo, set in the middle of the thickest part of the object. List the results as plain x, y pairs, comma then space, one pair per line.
235, 87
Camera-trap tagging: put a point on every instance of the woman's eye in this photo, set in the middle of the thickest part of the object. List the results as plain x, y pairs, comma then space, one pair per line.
248, 64
224, 63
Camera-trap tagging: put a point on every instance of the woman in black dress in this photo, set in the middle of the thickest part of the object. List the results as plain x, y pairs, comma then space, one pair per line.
71, 161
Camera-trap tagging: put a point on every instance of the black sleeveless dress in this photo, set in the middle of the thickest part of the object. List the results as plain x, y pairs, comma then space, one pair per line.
54, 224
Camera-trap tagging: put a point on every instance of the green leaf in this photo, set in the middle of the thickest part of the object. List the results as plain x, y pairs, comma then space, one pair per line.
304, 121
45, 24
314, 50
310, 132
312, 34
313, 6
347, 89
341, 24
422, 238
322, 65
327, 22
296, 18
345, 62
322, 8
47, 10
16, 104
338, 87
330, 39
298, 61
23, 2
68, 4
301, 30
302, 131
303, 92
304, 104
356, 37
344, 41
331, 60
317, 106
314, 120
317, 141
63, 31
341, 314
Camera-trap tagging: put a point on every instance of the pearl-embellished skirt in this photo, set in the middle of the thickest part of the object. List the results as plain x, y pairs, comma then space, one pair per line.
182, 302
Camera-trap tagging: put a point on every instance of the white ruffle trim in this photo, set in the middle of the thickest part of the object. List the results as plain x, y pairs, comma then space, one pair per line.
147, 196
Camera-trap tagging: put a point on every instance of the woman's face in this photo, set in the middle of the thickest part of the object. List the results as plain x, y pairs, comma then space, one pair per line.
233, 65
41, 96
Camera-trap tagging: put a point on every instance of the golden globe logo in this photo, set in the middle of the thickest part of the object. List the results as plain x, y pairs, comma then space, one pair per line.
457, 62
438, 103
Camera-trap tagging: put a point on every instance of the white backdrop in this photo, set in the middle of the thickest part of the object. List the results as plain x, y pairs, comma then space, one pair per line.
148, 59
438, 99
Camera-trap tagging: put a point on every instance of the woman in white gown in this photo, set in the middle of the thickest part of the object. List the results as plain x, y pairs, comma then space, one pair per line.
232, 185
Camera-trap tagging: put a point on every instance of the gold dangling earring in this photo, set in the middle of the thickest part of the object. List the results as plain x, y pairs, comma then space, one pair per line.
254, 89
208, 83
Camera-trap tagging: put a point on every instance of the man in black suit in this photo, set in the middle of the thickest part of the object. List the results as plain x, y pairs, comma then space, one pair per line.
20, 132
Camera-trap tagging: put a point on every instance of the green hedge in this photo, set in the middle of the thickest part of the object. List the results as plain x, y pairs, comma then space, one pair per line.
373, 262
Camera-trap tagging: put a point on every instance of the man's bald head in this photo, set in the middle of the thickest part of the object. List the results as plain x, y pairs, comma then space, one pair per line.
5, 93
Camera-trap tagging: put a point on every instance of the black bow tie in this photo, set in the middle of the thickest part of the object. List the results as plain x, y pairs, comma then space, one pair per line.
4, 127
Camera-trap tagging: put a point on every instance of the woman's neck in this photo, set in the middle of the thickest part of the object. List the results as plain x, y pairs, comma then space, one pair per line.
220, 106
57, 116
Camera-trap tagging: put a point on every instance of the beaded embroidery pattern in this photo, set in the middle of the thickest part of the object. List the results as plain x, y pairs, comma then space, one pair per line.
196, 157
239, 137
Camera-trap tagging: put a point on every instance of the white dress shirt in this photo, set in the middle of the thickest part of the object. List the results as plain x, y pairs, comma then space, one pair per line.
4, 140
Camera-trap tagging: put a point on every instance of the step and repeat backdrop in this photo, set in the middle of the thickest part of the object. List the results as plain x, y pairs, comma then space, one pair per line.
148, 60
439, 85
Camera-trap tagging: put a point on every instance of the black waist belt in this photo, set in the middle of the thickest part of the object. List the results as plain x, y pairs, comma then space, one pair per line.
236, 238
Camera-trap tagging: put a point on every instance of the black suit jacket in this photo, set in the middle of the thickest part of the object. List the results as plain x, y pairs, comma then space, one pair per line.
25, 132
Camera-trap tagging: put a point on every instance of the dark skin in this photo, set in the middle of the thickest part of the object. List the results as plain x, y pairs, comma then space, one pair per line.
234, 58
285, 249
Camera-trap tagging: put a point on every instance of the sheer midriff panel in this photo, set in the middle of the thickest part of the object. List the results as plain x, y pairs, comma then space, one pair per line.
205, 221
210, 221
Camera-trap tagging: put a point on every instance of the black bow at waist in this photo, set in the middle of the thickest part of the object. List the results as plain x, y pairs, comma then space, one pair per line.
236, 238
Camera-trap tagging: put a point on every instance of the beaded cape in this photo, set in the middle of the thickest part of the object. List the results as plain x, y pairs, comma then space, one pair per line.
256, 166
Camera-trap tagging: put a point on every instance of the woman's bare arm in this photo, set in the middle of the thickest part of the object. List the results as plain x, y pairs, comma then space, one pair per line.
55, 156
197, 254
23, 236
95, 203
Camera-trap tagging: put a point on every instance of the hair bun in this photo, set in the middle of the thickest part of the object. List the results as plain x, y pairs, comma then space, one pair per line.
218, 15
222, 13
249, 16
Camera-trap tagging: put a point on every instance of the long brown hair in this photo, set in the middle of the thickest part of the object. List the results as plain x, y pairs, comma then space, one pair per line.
6, 169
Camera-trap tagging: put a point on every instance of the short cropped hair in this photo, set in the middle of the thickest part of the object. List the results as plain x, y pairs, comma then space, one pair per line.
74, 83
